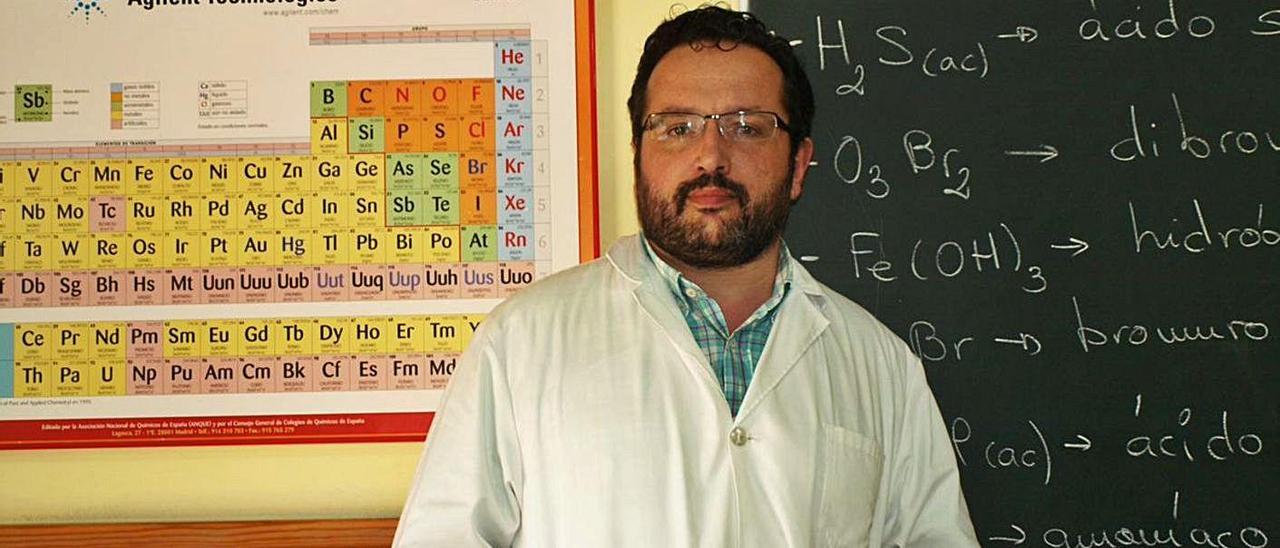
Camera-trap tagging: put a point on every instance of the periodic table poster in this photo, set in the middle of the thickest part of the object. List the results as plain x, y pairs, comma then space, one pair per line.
273, 221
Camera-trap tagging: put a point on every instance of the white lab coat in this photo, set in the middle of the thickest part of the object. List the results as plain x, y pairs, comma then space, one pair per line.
584, 414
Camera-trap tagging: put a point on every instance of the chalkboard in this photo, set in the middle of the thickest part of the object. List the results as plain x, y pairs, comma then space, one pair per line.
1071, 211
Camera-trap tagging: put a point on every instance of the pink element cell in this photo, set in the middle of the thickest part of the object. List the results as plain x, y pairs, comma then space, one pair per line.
183, 285
107, 288
368, 282
480, 281
257, 284
294, 284
334, 373
331, 283
35, 289
259, 374
438, 370
370, 372
408, 372
107, 214
182, 375
297, 374
71, 289
513, 277
443, 281
8, 290
404, 282
220, 375
144, 376
218, 286
145, 287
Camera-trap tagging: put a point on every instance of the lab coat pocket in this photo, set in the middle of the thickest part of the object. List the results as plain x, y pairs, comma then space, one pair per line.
849, 469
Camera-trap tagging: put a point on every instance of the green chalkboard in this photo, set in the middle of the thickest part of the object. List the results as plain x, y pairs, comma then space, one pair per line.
1071, 211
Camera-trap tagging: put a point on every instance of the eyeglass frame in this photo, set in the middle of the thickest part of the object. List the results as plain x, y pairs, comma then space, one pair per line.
778, 122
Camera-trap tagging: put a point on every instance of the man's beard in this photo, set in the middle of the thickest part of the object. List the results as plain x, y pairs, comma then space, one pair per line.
738, 241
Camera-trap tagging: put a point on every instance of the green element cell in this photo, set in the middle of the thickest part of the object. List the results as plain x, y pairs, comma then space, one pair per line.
33, 103
441, 170
405, 173
366, 134
406, 208
328, 99
479, 243
442, 207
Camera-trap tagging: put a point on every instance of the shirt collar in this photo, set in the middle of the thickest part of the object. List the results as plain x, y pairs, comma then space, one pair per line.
684, 290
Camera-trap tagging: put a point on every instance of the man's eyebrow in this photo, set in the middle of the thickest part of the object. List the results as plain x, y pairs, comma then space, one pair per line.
690, 110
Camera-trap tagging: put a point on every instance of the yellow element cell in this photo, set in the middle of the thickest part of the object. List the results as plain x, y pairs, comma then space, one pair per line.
71, 178
182, 338
367, 173
8, 179
70, 341
256, 211
35, 179
217, 213
32, 379
8, 214
220, 338
109, 251
35, 215
441, 97
293, 209
181, 176
106, 177
332, 210
182, 213
72, 252
71, 215
255, 338
368, 247
368, 210
70, 378
293, 173
408, 246
146, 250
443, 333
328, 135
33, 341
217, 175
470, 322
144, 213
296, 247
35, 252
476, 97
442, 244
295, 336
257, 248
108, 343
107, 378
8, 245
329, 173
144, 177
181, 250
256, 174
333, 336
218, 249
369, 335
333, 246
408, 335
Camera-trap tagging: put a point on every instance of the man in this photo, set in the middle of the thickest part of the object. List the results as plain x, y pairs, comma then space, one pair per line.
695, 387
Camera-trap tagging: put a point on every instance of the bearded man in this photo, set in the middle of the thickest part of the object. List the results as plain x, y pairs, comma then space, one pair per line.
696, 386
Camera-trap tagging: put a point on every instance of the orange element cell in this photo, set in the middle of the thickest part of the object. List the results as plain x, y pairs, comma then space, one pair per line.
477, 133
404, 134
441, 97
476, 97
440, 134
405, 98
365, 98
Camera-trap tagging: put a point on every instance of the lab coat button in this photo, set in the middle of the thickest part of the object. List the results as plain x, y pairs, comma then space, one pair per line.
691, 292
738, 436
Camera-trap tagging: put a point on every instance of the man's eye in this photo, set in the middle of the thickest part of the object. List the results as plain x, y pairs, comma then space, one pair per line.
679, 130
747, 130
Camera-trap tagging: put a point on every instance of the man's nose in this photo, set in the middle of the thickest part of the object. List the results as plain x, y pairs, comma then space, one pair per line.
712, 149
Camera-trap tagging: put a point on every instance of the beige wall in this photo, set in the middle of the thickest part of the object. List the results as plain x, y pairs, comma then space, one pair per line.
303, 481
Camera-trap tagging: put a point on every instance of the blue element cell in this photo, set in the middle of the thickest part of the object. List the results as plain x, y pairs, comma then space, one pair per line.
512, 58
516, 242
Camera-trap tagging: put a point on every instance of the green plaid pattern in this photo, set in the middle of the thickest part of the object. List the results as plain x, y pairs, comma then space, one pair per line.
733, 356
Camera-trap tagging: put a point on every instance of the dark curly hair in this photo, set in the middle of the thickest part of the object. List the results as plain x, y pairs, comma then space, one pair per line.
724, 29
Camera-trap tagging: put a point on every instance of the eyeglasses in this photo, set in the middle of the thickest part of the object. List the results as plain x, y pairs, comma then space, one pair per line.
743, 126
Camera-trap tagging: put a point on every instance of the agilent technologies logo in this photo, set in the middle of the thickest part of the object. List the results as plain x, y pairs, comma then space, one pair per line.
87, 8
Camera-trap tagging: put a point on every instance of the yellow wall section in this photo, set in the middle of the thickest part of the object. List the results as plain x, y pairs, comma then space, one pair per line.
304, 481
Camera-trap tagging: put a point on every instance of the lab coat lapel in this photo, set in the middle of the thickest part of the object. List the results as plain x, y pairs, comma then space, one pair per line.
798, 323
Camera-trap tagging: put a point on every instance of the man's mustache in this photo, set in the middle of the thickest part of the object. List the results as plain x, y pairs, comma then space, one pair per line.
717, 180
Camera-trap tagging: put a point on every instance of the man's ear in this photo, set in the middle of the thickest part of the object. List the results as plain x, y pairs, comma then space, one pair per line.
804, 154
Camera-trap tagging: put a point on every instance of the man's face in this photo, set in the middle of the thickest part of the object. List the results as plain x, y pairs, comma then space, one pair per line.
711, 202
